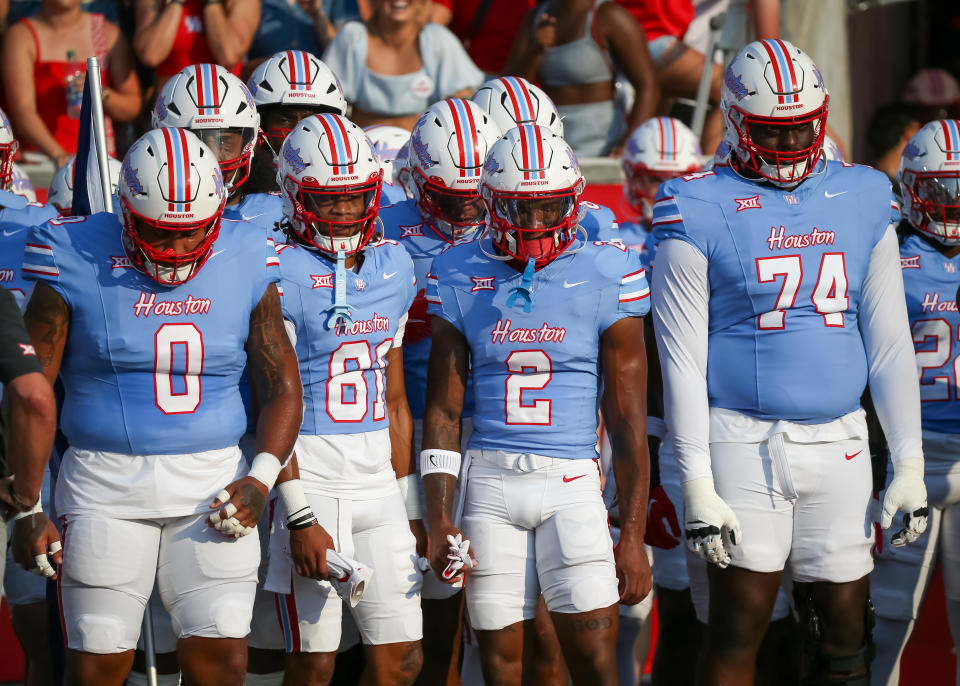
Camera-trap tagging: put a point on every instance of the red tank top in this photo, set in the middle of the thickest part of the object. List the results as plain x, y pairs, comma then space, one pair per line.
661, 17
50, 86
190, 46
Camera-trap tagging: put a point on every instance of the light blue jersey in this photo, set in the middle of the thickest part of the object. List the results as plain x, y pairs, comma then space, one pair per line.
930, 281
149, 369
639, 238
16, 220
404, 224
343, 369
786, 270
537, 374
261, 209
599, 221
391, 194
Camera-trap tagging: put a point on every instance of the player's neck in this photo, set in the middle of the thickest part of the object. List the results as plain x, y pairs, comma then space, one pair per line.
948, 251
751, 175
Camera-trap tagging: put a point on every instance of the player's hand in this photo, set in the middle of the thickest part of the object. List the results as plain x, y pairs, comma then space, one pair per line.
35, 542
239, 507
706, 518
419, 530
663, 527
906, 492
308, 547
633, 570
444, 567
8, 507
546, 32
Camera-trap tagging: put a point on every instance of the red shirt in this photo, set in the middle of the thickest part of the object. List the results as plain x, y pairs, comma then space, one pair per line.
190, 46
661, 17
491, 43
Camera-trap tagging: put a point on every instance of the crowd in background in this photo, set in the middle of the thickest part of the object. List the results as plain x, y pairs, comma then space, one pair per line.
607, 65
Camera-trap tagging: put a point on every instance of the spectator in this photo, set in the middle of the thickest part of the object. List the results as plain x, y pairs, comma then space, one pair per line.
166, 34
307, 25
572, 47
679, 66
890, 128
487, 28
933, 94
35, 75
392, 67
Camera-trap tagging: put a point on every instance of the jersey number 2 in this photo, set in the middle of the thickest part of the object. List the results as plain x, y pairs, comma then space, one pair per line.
530, 370
829, 295
937, 387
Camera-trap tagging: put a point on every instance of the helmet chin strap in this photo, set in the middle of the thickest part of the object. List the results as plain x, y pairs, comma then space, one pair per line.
340, 310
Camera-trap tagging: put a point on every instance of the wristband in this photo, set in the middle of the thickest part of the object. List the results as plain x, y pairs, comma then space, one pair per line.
410, 491
265, 469
656, 427
36, 509
437, 461
299, 514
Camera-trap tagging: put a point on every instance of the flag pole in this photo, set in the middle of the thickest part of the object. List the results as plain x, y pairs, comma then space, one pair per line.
99, 129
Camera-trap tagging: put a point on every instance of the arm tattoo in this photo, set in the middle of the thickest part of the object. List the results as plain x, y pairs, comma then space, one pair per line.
269, 351
48, 322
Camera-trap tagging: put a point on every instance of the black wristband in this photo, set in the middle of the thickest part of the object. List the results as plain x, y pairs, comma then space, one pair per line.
293, 526
301, 519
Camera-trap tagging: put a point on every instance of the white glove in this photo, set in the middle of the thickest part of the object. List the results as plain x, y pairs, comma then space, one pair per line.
348, 577
906, 492
44, 568
231, 525
459, 558
706, 516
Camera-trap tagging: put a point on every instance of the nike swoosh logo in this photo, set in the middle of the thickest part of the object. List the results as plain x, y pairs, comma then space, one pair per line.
828, 194
850, 457
216, 253
567, 480
12, 233
389, 275
567, 284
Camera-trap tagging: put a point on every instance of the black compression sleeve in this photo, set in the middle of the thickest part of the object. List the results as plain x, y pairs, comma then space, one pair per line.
17, 356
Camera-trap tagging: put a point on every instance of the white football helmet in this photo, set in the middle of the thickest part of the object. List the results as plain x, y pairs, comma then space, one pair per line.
20, 184
448, 146
217, 107
326, 163
929, 178
60, 192
170, 181
295, 77
387, 142
8, 149
659, 149
772, 89
531, 184
512, 100
401, 171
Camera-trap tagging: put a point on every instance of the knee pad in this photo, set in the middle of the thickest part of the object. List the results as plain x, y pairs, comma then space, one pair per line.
823, 668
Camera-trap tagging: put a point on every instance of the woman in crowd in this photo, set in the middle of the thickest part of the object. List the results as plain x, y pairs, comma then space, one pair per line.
167, 38
42, 68
574, 49
393, 66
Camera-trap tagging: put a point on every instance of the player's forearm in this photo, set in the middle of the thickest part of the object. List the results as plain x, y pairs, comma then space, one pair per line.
631, 469
401, 438
440, 491
884, 325
279, 423
32, 423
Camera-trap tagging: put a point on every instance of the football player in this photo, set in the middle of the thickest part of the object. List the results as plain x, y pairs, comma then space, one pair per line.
346, 293
388, 142
60, 191
216, 106
777, 298
449, 144
286, 88
545, 319
930, 262
148, 322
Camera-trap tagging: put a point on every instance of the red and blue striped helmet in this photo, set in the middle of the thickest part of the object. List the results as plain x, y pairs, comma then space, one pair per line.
170, 182
512, 101
658, 149
772, 83
929, 177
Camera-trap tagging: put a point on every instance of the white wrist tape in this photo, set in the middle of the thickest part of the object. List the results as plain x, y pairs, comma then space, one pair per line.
437, 461
656, 427
294, 500
37, 508
265, 469
410, 491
